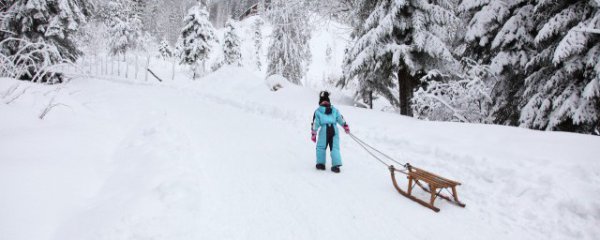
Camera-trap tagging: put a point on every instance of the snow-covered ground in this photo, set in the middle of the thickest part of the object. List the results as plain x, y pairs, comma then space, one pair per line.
225, 158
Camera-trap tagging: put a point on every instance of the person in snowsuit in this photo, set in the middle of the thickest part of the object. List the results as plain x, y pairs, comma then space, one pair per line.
324, 122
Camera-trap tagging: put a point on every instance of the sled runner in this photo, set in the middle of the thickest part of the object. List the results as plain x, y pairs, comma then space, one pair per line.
435, 185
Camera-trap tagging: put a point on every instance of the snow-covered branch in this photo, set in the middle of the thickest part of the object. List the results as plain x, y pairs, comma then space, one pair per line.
464, 97
17, 96
32, 60
52, 103
587, 30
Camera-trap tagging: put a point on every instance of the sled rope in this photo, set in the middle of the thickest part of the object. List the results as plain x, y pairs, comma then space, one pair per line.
367, 147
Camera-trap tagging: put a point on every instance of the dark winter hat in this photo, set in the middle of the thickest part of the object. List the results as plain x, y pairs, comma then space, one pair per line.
324, 96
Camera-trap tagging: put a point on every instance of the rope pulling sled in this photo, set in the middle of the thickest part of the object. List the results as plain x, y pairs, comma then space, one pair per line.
416, 177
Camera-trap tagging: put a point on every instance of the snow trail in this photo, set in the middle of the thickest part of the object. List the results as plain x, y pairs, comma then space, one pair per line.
224, 158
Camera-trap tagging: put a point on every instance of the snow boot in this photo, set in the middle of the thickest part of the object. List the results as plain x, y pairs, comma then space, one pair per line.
335, 169
321, 166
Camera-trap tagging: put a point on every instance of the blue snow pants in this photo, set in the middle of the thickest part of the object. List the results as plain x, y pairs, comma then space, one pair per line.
328, 132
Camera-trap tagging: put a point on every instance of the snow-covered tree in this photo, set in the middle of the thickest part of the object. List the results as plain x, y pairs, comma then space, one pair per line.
125, 35
178, 48
40, 28
562, 89
204, 3
499, 34
124, 20
397, 42
232, 54
463, 98
339, 10
163, 17
289, 53
257, 39
195, 38
165, 49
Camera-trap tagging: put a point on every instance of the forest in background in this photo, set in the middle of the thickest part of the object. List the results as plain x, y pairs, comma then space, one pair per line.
527, 63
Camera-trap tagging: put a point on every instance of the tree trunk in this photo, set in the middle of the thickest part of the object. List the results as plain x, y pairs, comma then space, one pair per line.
370, 99
406, 84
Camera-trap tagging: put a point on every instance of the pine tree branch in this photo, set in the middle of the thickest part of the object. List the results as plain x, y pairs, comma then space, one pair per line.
17, 96
587, 30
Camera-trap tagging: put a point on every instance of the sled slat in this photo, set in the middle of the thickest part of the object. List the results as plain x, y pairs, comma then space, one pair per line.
431, 178
437, 176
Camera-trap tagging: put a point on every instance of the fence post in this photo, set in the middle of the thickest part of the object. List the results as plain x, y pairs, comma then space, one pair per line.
146, 69
112, 66
126, 66
136, 67
203, 68
118, 66
173, 70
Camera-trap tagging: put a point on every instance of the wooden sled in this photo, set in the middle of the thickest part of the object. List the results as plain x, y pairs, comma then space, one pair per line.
435, 186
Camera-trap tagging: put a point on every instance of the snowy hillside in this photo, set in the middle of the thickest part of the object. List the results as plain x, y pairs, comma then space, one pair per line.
225, 158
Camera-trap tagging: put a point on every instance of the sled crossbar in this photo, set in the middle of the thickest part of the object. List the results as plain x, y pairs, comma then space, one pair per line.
435, 185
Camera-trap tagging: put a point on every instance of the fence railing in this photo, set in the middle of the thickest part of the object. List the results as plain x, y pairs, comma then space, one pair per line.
131, 67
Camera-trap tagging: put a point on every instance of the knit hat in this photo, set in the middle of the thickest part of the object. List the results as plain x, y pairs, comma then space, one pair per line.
324, 96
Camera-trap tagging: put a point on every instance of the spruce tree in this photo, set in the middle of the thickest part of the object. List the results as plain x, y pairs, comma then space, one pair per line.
125, 35
231, 45
289, 52
500, 34
562, 89
164, 49
125, 26
395, 43
48, 23
195, 38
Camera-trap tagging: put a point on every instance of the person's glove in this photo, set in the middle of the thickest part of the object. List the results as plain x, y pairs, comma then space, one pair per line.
313, 136
347, 129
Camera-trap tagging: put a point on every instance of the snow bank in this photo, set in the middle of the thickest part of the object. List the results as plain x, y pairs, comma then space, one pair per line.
276, 82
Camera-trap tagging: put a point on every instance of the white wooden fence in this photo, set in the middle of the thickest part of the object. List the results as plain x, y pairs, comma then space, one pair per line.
130, 67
